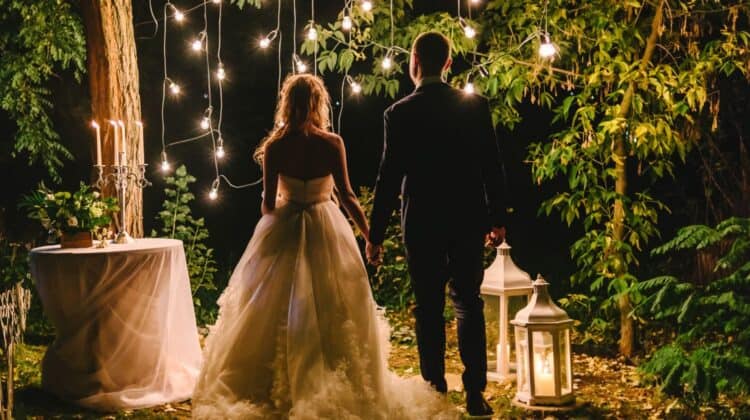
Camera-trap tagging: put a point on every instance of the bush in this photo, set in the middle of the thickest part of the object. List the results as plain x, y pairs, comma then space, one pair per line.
177, 222
390, 281
710, 353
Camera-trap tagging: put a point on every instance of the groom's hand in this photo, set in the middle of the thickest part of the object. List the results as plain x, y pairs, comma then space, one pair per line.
495, 237
374, 254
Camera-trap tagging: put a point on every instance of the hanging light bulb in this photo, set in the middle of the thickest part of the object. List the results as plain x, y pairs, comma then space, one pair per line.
356, 87
216, 1
205, 123
547, 49
346, 23
265, 42
312, 34
299, 65
220, 73
174, 88
178, 15
165, 166
387, 62
196, 45
214, 193
220, 149
366, 5
469, 32
469, 88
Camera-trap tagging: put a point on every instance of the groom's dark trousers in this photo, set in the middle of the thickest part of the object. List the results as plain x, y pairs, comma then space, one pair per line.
441, 156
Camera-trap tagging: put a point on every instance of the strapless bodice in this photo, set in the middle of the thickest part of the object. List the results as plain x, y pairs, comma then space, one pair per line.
305, 192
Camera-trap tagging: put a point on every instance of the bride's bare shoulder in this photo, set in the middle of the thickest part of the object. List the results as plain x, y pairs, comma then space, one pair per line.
332, 139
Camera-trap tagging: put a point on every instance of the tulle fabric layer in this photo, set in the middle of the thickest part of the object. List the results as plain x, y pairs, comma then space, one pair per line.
298, 334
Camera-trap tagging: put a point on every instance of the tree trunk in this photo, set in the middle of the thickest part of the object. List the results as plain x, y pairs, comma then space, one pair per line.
627, 326
113, 82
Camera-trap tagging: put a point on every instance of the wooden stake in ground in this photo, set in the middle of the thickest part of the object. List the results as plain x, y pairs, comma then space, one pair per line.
114, 85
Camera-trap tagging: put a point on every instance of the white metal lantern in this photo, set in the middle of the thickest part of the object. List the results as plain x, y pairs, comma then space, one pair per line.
513, 288
542, 332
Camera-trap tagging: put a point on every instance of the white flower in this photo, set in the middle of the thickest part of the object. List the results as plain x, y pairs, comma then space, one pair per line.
96, 210
72, 221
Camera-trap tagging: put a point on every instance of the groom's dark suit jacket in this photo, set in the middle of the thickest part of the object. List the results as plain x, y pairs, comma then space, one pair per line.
441, 155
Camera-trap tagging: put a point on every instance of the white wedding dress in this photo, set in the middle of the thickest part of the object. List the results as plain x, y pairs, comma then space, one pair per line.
298, 334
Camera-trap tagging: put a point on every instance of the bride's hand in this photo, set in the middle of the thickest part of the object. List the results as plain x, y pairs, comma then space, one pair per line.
374, 254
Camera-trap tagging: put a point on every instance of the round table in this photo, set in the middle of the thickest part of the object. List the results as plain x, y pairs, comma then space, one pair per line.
126, 335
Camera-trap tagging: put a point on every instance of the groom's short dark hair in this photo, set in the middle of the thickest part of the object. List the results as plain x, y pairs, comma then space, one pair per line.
433, 50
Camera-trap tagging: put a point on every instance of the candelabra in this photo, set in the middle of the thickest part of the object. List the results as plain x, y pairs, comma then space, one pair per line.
121, 176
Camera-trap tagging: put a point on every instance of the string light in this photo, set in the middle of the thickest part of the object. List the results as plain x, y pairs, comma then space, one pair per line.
265, 42
469, 88
475, 1
214, 193
220, 149
178, 15
216, 1
387, 62
205, 123
299, 65
366, 5
346, 23
469, 32
174, 88
165, 166
196, 45
353, 84
547, 49
312, 34
220, 73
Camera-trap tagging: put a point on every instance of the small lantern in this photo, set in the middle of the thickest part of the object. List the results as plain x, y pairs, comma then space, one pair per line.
512, 286
542, 332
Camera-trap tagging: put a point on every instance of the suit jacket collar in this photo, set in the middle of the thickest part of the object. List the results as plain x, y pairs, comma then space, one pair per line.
431, 86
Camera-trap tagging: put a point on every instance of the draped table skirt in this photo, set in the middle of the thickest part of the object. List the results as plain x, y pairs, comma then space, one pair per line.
126, 334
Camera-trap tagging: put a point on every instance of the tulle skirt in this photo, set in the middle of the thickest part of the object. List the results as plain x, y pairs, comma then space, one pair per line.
299, 334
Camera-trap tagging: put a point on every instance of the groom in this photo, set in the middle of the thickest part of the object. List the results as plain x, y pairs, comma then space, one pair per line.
441, 156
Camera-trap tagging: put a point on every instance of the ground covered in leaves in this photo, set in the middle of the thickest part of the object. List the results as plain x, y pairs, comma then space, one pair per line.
605, 388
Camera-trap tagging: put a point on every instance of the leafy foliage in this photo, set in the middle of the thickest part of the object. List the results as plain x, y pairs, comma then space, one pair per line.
711, 350
391, 286
65, 212
632, 85
37, 39
177, 222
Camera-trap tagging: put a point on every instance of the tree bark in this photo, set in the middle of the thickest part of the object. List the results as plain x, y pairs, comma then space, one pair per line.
114, 83
627, 326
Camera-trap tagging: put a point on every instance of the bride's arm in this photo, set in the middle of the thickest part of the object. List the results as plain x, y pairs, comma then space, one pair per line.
346, 193
270, 181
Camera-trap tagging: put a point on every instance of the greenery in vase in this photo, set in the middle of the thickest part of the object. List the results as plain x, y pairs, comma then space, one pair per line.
61, 212
177, 222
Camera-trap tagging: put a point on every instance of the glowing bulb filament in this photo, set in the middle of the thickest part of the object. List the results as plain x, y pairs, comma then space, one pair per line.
265, 43
178, 15
220, 73
469, 88
312, 34
213, 194
387, 63
366, 5
346, 23
469, 32
356, 87
197, 45
547, 49
174, 88
301, 66
205, 123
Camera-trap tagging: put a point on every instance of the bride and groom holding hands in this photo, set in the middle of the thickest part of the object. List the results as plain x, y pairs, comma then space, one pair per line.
299, 334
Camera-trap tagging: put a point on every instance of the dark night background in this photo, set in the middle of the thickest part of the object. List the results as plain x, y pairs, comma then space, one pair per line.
541, 243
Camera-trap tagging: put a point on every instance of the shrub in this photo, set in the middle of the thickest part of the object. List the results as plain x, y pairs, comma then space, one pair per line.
710, 353
177, 222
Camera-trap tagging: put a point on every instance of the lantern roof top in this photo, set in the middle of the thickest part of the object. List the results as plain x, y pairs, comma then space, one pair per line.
541, 309
504, 276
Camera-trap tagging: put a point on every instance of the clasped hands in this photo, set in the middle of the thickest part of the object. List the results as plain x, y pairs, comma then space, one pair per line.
374, 253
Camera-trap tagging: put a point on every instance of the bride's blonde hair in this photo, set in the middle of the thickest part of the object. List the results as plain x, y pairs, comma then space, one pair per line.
304, 104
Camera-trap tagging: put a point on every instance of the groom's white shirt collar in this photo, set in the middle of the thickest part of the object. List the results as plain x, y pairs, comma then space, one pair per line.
429, 80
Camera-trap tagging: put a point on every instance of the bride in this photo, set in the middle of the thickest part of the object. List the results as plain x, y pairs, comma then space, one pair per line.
298, 334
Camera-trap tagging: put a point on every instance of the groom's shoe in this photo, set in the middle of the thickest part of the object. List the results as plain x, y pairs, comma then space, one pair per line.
477, 406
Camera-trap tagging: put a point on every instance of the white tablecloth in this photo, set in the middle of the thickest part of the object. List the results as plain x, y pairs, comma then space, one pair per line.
126, 330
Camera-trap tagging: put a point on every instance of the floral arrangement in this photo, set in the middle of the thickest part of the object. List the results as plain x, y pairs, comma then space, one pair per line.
64, 212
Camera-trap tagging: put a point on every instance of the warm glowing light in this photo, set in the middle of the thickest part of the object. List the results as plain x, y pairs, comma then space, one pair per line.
469, 32
475, 1
174, 88
220, 152
469, 88
197, 45
356, 87
220, 73
312, 34
205, 123
301, 66
214, 193
165, 166
547, 49
178, 15
366, 5
94, 124
346, 23
387, 63
265, 43
216, 1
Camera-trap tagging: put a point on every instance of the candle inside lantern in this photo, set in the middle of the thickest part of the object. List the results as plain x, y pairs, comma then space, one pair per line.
113, 123
544, 380
98, 142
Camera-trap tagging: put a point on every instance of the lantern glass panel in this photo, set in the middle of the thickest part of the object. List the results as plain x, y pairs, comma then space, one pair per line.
544, 363
522, 350
565, 373
492, 321
515, 304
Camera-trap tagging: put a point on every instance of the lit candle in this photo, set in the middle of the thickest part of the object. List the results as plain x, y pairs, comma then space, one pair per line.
124, 142
113, 123
544, 380
98, 142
